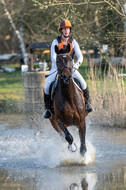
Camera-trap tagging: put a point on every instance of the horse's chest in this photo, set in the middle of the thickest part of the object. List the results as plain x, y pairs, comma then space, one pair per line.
64, 107
67, 105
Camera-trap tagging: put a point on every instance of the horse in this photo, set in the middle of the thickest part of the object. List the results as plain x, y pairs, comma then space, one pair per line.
68, 104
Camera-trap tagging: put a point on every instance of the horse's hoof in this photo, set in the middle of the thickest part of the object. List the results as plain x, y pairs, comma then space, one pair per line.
74, 186
69, 138
72, 147
83, 151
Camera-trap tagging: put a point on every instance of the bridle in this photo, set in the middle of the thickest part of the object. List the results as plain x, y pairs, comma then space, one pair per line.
64, 67
65, 78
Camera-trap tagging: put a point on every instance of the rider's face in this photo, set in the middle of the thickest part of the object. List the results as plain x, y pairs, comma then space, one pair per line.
66, 31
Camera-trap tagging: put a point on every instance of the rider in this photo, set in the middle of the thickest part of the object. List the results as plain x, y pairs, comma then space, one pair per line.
62, 42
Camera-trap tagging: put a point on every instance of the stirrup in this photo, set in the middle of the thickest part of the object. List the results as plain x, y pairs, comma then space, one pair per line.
89, 107
47, 113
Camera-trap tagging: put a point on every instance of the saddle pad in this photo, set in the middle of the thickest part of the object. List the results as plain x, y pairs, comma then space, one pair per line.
53, 87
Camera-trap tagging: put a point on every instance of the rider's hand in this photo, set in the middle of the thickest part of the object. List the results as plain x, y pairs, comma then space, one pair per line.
76, 65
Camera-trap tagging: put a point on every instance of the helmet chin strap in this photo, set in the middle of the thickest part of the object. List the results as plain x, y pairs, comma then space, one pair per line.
66, 36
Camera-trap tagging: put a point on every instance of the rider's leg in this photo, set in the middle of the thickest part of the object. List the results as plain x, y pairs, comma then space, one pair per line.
89, 107
47, 101
47, 97
85, 90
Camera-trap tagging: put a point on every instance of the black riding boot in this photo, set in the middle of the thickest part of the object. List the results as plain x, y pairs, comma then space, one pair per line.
47, 101
89, 107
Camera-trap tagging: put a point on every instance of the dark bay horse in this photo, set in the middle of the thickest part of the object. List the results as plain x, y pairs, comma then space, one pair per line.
68, 104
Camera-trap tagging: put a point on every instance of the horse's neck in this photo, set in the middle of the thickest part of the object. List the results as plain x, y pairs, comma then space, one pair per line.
66, 89
69, 94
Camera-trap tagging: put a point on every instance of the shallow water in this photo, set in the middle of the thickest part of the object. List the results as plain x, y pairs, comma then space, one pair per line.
34, 157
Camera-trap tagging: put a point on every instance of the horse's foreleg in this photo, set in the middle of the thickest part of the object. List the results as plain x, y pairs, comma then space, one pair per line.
68, 136
72, 146
82, 131
56, 126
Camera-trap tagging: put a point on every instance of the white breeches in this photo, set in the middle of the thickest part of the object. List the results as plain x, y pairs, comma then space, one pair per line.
52, 77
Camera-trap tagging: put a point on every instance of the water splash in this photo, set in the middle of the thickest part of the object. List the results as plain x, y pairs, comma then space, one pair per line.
69, 158
26, 148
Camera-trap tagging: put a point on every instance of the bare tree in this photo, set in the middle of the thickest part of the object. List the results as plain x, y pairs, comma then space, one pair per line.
17, 32
111, 3
93, 21
124, 8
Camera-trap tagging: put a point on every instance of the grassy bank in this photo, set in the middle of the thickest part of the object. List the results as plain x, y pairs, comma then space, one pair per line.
10, 91
107, 90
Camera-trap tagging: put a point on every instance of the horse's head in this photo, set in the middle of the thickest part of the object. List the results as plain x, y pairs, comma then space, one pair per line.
64, 66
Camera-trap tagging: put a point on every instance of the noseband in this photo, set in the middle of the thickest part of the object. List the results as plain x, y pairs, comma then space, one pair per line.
64, 67
66, 79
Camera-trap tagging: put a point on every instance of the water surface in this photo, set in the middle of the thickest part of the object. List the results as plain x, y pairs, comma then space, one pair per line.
34, 157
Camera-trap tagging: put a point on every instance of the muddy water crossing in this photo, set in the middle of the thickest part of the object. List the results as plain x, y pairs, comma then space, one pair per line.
34, 157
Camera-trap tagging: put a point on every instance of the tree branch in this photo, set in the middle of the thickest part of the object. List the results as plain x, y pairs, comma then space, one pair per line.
21, 42
65, 3
121, 14
46, 5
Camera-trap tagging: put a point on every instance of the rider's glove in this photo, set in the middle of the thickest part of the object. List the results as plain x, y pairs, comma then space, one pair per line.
76, 65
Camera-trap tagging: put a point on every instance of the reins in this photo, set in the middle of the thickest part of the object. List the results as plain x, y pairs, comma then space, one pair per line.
50, 74
65, 66
56, 71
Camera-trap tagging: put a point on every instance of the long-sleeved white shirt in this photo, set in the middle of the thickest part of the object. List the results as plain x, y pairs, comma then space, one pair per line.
76, 49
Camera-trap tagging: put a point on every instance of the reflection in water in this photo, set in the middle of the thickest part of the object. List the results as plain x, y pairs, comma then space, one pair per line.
47, 180
86, 183
114, 178
64, 179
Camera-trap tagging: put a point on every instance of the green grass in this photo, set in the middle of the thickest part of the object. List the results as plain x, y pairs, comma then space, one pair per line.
15, 66
10, 85
10, 91
101, 84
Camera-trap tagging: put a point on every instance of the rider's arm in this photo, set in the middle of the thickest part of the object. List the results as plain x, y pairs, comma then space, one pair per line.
53, 53
78, 53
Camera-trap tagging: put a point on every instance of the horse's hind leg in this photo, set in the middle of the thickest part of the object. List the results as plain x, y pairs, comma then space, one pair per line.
82, 131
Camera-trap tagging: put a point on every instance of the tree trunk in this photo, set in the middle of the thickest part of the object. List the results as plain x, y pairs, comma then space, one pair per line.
20, 39
124, 10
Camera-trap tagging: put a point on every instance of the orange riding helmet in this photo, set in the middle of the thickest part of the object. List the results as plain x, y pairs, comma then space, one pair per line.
64, 24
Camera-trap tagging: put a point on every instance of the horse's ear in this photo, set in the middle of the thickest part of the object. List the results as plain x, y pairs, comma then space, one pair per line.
56, 49
68, 48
